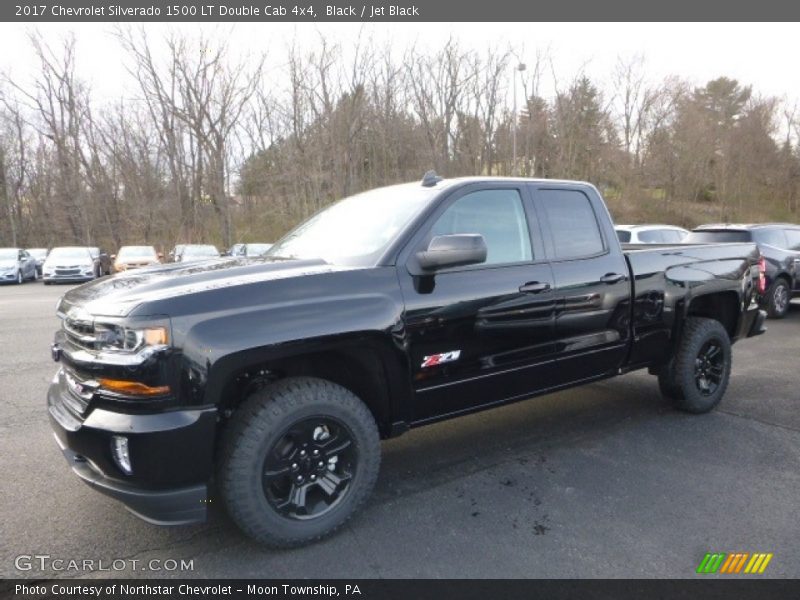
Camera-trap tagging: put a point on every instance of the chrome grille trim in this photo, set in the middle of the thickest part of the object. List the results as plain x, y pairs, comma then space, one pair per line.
80, 333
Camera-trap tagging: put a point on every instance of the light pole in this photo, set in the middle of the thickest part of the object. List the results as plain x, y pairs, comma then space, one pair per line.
520, 67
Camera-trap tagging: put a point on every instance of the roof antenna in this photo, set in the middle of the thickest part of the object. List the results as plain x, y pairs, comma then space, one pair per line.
430, 179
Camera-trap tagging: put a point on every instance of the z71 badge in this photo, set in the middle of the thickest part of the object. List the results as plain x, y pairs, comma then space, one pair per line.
438, 359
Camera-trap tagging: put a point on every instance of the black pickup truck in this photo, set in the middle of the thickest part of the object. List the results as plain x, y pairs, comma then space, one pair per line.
269, 382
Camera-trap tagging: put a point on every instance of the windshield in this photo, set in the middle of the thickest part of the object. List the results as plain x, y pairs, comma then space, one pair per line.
9, 253
38, 252
76, 252
137, 252
200, 251
357, 229
717, 237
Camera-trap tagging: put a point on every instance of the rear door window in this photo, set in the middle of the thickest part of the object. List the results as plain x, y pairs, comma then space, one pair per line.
572, 223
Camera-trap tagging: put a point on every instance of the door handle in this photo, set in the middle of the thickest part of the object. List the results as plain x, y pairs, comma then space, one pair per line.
534, 287
612, 278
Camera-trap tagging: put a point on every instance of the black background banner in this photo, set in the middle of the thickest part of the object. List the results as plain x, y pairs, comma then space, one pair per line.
207, 589
311, 11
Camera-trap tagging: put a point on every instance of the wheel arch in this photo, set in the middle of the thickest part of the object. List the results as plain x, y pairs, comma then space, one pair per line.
722, 306
366, 367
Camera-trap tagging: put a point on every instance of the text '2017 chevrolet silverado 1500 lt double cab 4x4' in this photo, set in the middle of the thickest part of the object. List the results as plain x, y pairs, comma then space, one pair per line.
270, 382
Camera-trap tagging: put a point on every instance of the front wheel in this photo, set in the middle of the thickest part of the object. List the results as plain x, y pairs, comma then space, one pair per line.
20, 277
698, 374
298, 459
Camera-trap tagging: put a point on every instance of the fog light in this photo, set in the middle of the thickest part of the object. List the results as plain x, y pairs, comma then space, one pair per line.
119, 447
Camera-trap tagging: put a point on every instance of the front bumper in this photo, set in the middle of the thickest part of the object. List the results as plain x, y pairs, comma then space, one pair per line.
159, 507
67, 278
171, 454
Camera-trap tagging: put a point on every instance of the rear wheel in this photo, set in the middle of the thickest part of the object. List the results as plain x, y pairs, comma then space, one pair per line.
778, 298
698, 375
298, 459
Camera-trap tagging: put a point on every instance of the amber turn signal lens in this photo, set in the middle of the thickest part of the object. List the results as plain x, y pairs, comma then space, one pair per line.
155, 336
133, 388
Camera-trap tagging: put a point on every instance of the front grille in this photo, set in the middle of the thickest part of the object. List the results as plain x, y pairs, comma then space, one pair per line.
80, 332
68, 270
78, 395
71, 403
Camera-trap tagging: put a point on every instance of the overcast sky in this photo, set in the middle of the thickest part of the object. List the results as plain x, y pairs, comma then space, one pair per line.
763, 55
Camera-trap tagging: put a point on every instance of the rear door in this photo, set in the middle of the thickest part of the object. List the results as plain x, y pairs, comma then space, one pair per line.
591, 279
480, 334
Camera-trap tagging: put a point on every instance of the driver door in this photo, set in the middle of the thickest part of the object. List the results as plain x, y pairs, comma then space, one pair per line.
481, 334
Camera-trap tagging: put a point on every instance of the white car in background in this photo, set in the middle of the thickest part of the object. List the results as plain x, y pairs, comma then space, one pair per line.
72, 264
650, 234
196, 252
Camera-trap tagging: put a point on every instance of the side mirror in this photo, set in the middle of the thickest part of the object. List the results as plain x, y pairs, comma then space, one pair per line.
160, 255
455, 250
113, 256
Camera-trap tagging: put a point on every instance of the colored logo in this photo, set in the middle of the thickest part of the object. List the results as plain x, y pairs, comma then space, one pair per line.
438, 359
734, 563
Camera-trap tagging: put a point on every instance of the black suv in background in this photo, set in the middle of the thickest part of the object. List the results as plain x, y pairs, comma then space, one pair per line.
779, 244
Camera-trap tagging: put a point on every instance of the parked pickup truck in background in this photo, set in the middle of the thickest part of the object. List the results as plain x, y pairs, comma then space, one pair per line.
270, 382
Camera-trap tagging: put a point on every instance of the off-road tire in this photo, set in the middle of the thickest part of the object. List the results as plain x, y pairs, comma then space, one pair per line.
666, 382
681, 382
258, 424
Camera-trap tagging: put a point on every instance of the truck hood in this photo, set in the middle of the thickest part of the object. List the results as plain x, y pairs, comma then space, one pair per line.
119, 295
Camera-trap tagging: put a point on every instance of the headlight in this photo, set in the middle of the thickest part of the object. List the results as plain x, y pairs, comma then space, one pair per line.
118, 338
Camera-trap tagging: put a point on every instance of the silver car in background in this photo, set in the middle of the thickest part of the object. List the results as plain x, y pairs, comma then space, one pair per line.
40, 254
16, 265
69, 264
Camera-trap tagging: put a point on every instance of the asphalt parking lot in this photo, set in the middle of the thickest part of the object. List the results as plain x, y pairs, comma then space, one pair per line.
601, 481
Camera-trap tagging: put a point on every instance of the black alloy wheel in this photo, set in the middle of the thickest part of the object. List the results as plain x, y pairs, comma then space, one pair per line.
709, 367
308, 470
